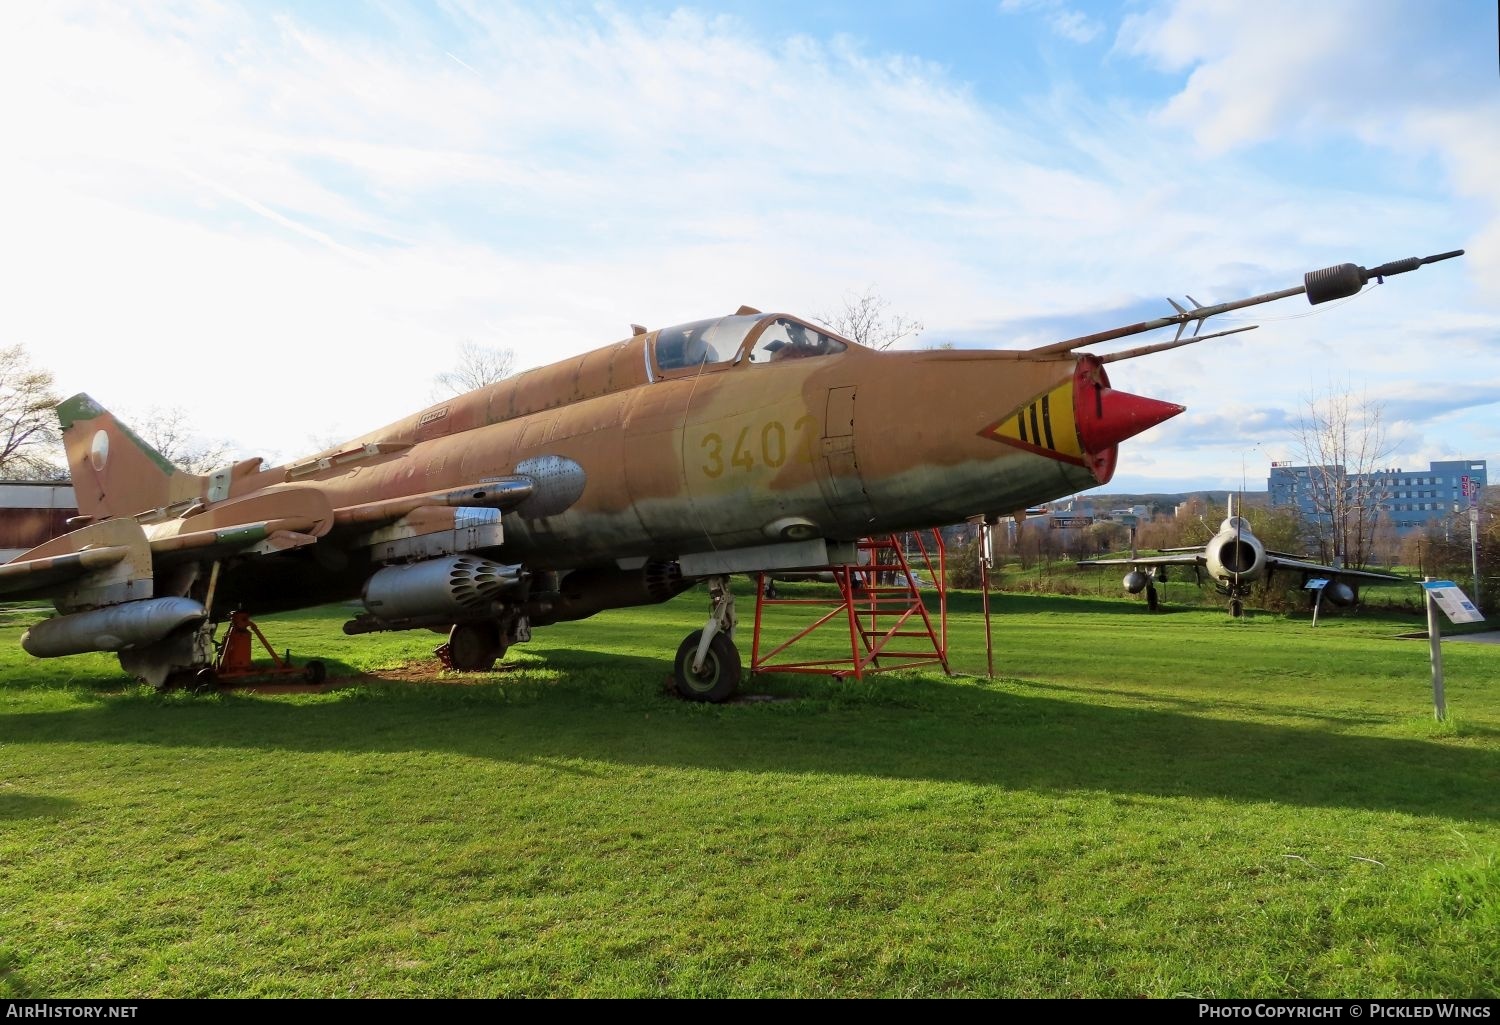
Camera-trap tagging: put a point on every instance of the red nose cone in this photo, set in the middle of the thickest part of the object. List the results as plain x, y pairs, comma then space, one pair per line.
1108, 417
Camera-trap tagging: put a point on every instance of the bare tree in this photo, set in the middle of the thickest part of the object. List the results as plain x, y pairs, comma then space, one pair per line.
1343, 441
169, 431
866, 318
28, 420
1386, 545
478, 366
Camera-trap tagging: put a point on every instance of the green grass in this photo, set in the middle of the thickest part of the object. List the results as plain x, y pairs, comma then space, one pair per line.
1178, 804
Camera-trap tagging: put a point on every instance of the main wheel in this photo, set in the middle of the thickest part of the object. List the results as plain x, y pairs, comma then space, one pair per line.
473, 647
720, 676
1151, 601
1236, 607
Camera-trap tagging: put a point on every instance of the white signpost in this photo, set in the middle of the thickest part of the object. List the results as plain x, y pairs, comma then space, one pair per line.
1317, 584
1448, 596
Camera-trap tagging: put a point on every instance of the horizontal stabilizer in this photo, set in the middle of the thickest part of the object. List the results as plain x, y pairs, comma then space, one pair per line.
33, 578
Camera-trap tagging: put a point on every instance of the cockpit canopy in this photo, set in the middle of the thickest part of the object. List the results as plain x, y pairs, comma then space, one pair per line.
701, 342
704, 343
784, 338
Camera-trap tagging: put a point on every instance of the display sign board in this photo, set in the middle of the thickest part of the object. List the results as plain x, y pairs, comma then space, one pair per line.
1316, 584
1451, 599
1069, 522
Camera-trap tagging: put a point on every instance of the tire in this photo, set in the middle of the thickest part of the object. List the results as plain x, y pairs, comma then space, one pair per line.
314, 672
204, 681
1236, 608
1152, 604
721, 669
473, 647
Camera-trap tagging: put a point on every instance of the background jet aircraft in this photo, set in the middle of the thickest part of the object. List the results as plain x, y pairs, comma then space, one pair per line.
1234, 559
615, 478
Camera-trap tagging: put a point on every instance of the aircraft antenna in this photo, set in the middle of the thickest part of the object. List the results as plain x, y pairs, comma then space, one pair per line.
1320, 286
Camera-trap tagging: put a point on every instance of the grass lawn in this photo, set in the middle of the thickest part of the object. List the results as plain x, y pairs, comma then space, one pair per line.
1177, 804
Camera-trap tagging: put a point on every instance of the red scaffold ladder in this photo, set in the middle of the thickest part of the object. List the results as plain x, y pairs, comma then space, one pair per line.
889, 625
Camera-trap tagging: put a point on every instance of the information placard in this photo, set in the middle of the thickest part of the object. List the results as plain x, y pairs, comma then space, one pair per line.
1452, 600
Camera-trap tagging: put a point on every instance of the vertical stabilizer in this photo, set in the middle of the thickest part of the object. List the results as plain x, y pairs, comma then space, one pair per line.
115, 473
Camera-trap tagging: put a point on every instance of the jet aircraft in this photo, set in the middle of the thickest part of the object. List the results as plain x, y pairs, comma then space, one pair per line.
616, 478
1234, 559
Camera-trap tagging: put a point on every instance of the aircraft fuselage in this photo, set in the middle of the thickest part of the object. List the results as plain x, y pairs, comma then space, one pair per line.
636, 461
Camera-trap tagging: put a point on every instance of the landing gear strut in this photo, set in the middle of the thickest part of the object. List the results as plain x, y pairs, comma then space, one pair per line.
707, 666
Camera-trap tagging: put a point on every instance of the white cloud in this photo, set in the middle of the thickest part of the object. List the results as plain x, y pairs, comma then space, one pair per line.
1068, 22
1375, 70
279, 226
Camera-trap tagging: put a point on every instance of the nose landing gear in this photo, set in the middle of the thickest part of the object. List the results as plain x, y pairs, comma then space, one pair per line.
707, 666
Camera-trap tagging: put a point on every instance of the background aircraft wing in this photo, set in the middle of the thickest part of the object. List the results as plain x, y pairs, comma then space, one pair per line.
1195, 558
1363, 576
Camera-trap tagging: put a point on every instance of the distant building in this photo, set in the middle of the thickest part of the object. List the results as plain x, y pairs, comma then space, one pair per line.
1412, 499
32, 512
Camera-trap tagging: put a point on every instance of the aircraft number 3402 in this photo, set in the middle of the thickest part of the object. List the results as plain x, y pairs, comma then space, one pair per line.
771, 451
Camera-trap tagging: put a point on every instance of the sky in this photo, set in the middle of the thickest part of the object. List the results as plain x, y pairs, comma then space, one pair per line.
286, 218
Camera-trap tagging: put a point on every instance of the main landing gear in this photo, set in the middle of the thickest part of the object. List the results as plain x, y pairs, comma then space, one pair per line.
707, 666
472, 647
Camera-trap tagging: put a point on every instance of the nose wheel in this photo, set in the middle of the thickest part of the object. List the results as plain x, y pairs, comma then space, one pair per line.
717, 677
707, 666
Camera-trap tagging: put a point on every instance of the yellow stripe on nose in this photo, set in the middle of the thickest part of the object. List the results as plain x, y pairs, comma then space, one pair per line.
1045, 424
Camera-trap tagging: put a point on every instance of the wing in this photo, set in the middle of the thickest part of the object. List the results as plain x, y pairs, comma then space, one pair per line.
1187, 559
116, 560
1363, 576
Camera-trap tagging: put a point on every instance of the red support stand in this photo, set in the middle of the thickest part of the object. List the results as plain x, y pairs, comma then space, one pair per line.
878, 602
235, 661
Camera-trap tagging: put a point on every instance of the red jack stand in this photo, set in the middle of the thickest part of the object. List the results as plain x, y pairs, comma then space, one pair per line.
234, 661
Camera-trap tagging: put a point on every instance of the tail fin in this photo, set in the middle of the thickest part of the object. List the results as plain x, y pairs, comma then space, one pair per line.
115, 473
